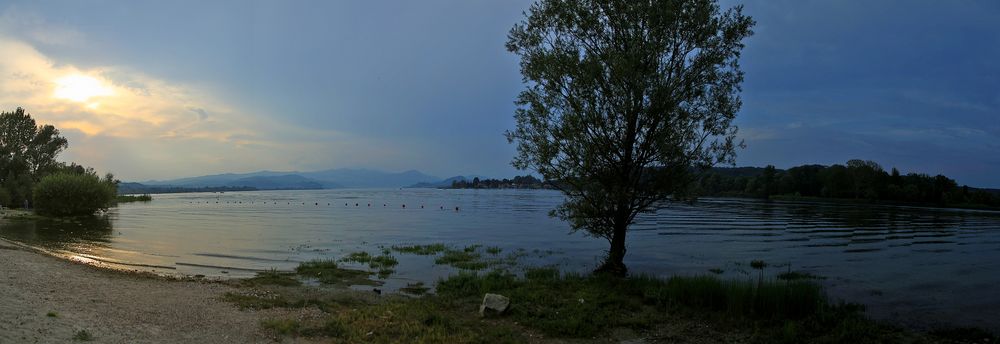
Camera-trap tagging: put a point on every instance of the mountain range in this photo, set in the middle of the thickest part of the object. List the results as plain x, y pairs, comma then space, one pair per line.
325, 179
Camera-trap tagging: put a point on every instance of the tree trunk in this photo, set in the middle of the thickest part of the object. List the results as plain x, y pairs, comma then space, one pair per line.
614, 263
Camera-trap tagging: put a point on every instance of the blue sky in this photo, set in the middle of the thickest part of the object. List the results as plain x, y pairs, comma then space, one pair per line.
193, 87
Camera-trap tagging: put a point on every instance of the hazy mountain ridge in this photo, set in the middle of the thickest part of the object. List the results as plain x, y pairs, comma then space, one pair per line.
325, 179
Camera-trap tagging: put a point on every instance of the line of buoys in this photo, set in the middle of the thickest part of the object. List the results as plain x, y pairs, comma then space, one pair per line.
317, 203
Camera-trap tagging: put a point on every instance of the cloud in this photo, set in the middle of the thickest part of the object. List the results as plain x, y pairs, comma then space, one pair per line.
202, 114
138, 125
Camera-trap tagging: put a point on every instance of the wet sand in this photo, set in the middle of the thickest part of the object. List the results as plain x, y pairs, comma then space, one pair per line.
44, 299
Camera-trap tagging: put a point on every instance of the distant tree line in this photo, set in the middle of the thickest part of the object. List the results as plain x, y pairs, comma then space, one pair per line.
30, 174
137, 188
858, 179
519, 182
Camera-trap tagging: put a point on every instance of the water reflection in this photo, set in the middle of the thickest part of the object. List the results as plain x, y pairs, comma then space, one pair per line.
61, 234
903, 262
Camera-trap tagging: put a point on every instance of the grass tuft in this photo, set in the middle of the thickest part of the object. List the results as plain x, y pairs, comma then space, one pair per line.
282, 326
462, 260
422, 250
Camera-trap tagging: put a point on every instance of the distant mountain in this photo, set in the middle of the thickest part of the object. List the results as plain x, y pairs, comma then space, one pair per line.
126, 188
282, 182
364, 178
326, 179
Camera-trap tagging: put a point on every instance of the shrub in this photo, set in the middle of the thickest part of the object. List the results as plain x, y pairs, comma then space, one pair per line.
71, 194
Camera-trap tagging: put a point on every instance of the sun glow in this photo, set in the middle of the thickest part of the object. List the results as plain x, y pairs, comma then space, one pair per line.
80, 88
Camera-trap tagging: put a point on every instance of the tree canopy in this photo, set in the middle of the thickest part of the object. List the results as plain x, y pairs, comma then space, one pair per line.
623, 100
857, 179
27, 153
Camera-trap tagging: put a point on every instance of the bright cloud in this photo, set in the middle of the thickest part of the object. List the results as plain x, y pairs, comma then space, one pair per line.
137, 125
80, 88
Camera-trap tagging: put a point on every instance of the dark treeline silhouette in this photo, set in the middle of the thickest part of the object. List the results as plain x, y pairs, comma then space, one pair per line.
519, 182
137, 188
858, 179
28, 154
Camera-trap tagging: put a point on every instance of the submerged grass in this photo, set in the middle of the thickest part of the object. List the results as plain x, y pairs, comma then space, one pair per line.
273, 277
423, 250
464, 259
382, 264
327, 272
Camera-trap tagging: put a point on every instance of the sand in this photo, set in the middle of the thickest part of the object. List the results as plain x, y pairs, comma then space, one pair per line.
45, 299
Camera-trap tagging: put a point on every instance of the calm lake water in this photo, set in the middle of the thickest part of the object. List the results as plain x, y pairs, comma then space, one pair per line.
917, 266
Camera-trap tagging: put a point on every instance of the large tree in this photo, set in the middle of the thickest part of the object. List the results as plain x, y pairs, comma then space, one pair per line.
27, 153
624, 101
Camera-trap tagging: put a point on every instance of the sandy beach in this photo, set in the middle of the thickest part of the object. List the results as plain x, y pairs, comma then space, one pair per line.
44, 299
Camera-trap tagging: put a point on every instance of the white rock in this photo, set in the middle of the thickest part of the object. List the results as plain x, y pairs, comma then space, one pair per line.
494, 304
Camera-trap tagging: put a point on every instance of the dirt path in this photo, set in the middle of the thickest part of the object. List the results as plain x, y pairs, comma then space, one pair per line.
45, 299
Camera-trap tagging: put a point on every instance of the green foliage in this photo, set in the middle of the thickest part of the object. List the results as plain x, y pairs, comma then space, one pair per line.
464, 259
519, 182
858, 179
556, 305
68, 194
133, 198
384, 263
27, 153
589, 305
282, 326
622, 100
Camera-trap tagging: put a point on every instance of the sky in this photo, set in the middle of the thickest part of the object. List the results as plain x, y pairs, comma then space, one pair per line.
169, 89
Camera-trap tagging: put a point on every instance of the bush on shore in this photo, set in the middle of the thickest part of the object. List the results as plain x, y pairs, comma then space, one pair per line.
73, 194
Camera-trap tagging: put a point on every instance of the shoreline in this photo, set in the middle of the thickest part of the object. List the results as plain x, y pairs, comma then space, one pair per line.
49, 299
120, 305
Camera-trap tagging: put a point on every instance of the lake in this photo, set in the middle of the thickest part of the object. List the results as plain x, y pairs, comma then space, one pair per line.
917, 266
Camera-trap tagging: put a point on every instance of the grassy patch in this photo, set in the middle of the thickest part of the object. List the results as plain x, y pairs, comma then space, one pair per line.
83, 336
422, 320
382, 264
52, 314
423, 250
547, 301
358, 257
273, 277
282, 326
584, 306
327, 272
463, 259
494, 250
